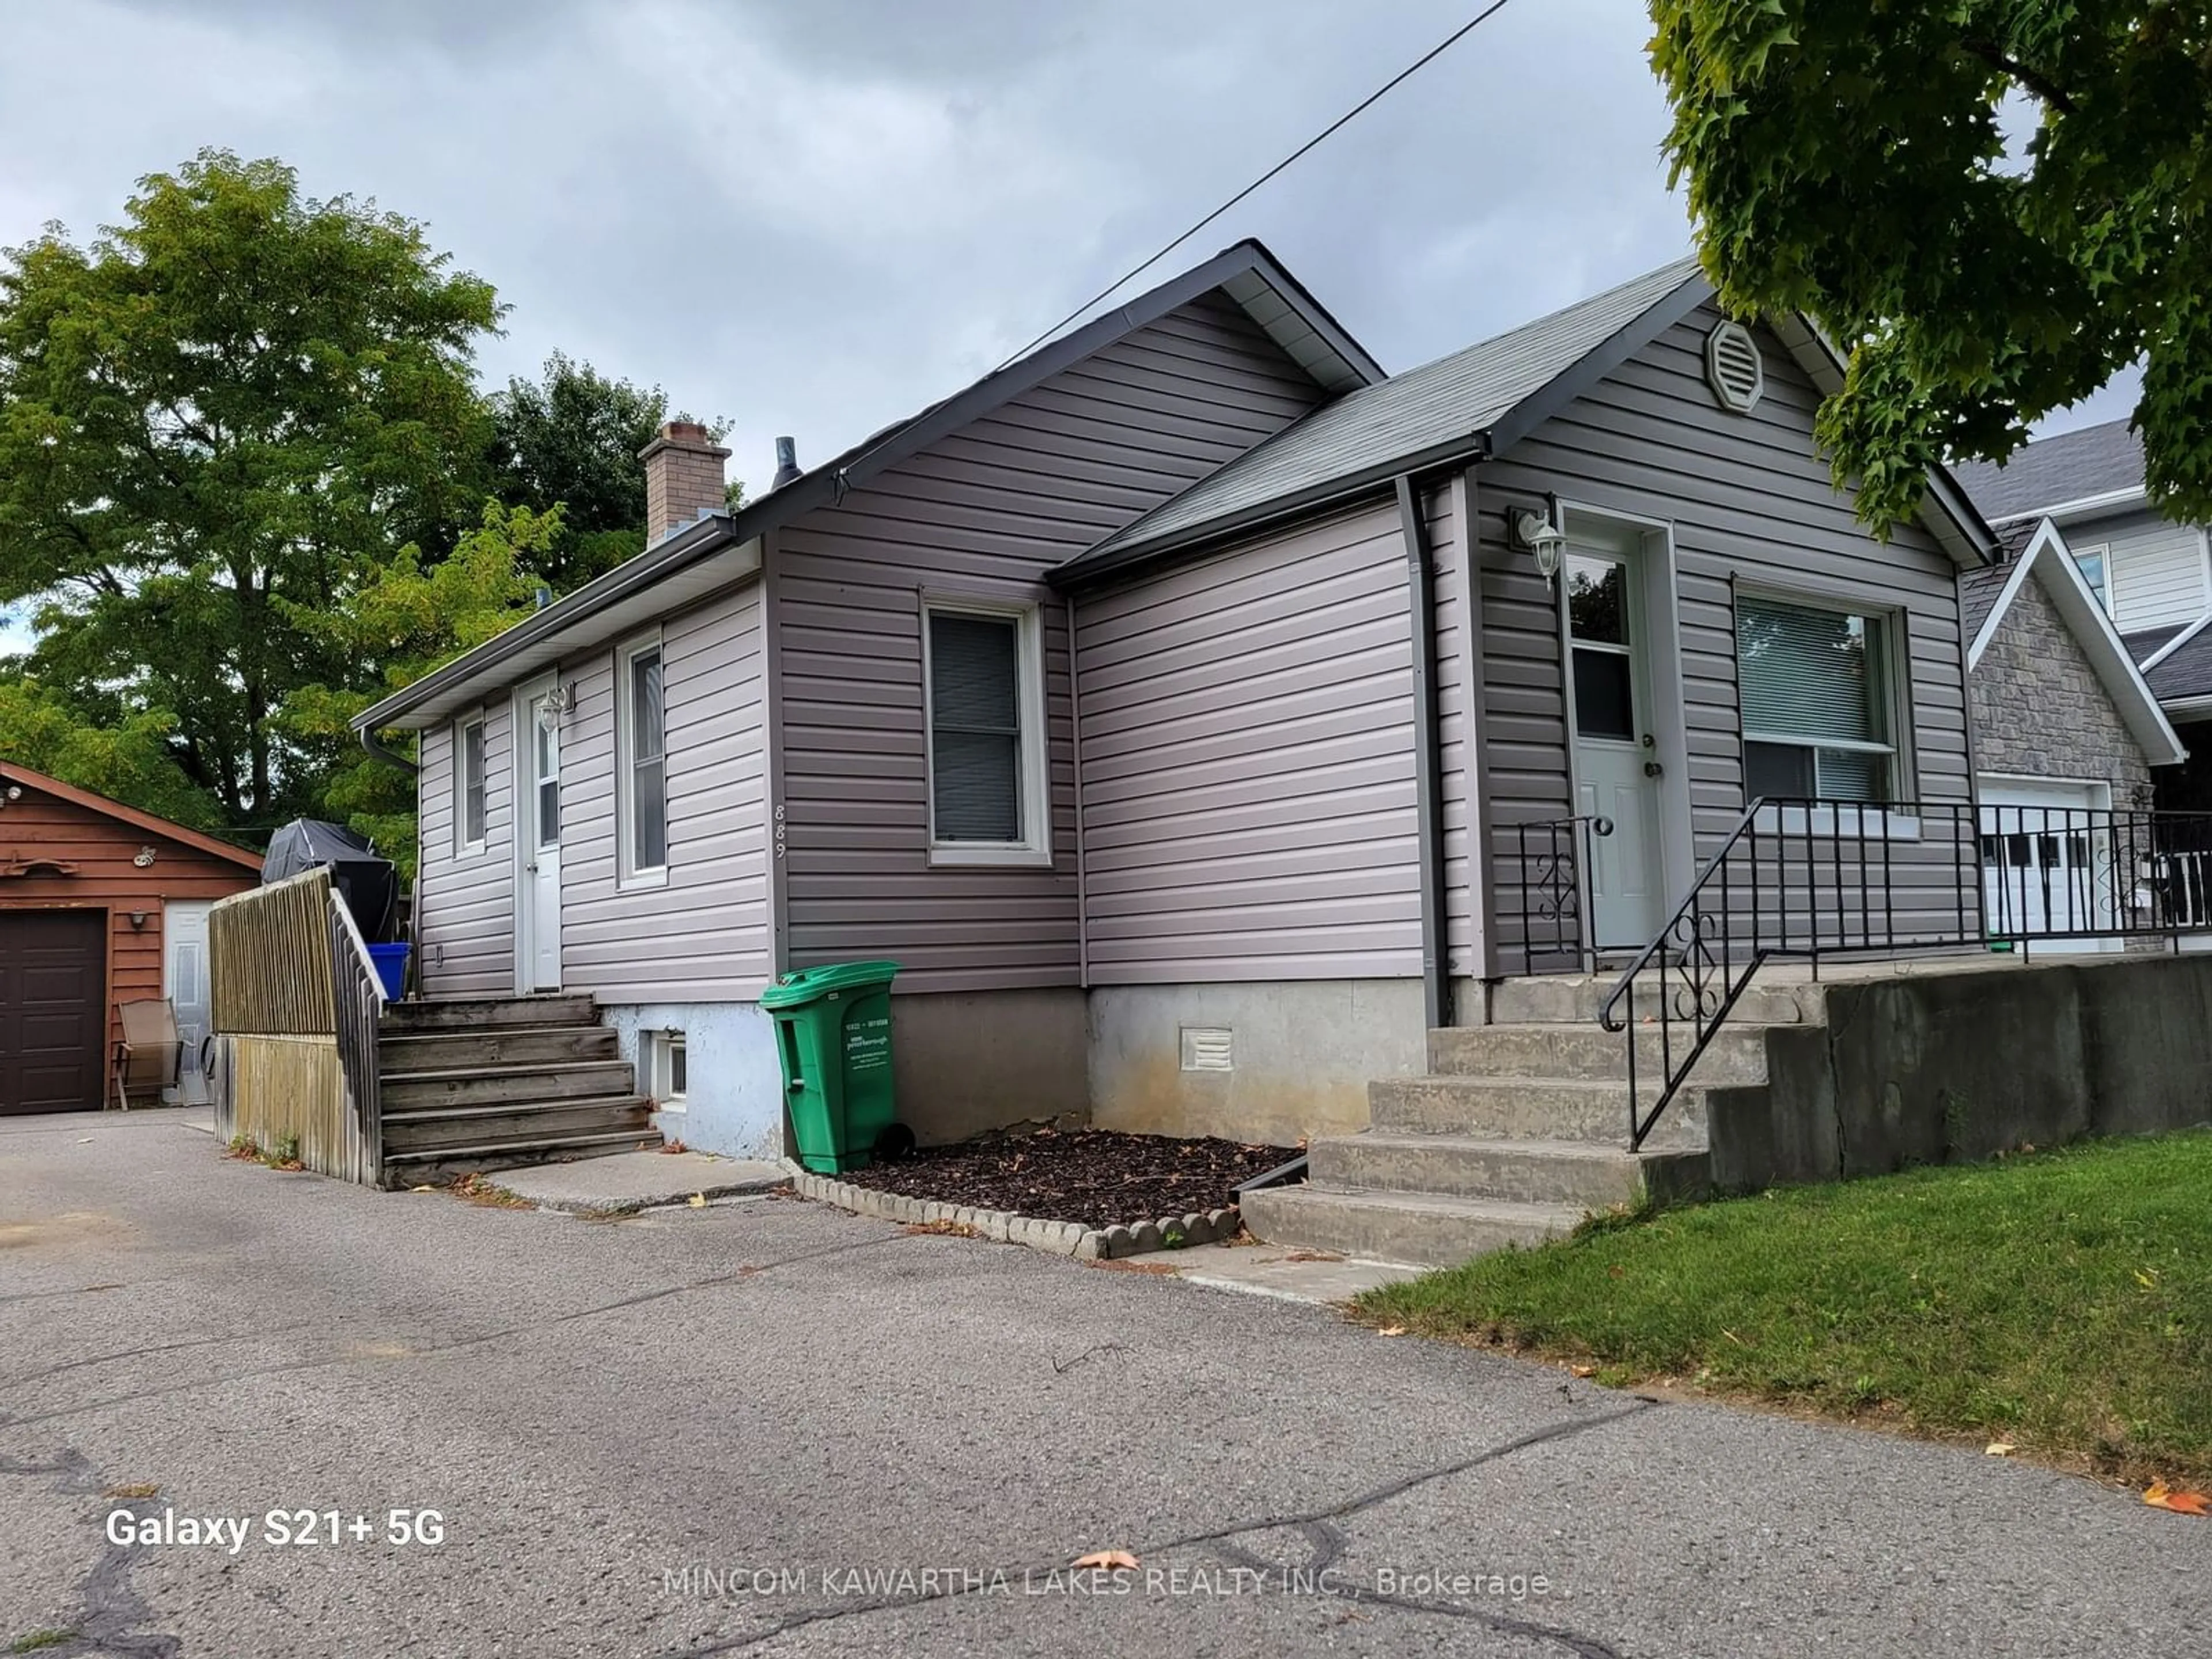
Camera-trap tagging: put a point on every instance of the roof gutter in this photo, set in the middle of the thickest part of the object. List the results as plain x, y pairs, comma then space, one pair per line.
374, 744
1428, 760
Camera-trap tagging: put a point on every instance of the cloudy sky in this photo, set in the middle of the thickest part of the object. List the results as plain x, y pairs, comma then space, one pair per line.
814, 216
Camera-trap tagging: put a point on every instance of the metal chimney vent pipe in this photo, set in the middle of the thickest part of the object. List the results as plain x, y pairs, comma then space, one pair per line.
787, 463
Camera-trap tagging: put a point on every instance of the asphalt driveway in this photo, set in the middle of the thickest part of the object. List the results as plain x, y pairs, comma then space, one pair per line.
768, 1428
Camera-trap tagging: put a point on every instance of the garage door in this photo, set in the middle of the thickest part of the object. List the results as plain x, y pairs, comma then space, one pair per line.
53, 1009
2047, 865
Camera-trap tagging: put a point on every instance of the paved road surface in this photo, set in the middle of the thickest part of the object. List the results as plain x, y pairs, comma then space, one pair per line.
627, 1428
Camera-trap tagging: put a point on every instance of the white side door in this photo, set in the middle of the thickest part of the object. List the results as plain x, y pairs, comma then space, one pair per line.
1615, 776
185, 983
536, 761
2048, 864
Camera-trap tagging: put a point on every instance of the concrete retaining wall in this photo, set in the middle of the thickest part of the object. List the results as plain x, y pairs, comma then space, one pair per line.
1951, 1067
1301, 1052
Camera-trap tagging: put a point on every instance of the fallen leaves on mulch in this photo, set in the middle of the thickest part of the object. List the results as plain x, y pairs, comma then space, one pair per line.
1095, 1177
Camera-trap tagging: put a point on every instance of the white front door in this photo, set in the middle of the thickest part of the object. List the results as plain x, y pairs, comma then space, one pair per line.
1615, 754
537, 752
2048, 865
185, 983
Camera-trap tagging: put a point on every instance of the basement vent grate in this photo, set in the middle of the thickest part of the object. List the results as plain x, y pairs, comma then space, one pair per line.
1208, 1048
1734, 367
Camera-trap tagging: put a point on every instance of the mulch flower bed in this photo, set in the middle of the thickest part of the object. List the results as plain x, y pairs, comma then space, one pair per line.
1091, 1176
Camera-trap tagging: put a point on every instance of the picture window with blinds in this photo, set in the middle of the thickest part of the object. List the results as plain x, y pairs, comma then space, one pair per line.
468, 784
1818, 702
986, 716
643, 749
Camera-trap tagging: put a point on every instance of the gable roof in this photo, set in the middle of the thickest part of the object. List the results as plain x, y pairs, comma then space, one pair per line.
721, 548
2101, 465
167, 828
1474, 403
1987, 595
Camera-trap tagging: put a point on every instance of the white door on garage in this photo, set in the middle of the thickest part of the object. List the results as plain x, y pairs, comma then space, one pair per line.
185, 983
2048, 865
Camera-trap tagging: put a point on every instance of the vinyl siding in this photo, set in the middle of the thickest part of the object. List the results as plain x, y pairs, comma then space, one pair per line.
1749, 500
464, 902
2156, 568
1457, 679
983, 514
701, 935
1248, 764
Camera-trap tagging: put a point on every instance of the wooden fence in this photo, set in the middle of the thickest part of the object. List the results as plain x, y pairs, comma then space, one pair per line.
296, 1004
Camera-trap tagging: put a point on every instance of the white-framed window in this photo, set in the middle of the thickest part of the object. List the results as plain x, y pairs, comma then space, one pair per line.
668, 1069
642, 760
2095, 565
468, 784
983, 688
1814, 682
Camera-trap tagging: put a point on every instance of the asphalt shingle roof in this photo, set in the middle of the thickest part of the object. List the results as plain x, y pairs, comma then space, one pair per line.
1438, 404
1978, 597
2094, 461
2187, 672
2146, 642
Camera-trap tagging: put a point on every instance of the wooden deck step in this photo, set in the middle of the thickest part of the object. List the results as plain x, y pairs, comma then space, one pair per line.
485, 1085
474, 1014
410, 1053
443, 1164
407, 1132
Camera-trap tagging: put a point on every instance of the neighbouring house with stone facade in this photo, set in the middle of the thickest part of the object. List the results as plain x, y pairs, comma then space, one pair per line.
2150, 576
2064, 725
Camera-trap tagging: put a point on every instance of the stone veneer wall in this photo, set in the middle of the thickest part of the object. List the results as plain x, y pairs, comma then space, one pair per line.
2039, 708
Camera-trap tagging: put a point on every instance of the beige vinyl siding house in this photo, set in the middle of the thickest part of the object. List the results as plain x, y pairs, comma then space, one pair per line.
465, 888
1167, 704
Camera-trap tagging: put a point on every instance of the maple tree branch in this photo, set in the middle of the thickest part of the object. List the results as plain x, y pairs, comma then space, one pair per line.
2034, 79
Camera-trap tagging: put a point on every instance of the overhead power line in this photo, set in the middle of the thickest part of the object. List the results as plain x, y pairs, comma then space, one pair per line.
1318, 139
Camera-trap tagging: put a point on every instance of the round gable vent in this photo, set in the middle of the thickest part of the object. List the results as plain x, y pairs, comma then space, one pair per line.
1733, 366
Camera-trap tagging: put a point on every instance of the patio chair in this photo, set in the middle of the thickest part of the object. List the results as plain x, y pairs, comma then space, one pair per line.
146, 1058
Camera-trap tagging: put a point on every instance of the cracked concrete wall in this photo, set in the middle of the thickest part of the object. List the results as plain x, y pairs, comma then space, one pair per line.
1955, 1067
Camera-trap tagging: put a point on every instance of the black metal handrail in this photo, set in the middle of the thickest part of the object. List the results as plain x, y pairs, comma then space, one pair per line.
1808, 878
1552, 877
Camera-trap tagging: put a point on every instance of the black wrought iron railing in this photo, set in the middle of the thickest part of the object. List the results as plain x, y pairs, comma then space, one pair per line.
1553, 859
1815, 879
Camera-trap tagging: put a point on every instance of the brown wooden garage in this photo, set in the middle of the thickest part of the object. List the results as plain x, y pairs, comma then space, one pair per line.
88, 889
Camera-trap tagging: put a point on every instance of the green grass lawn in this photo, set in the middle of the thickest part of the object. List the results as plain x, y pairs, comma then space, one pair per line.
2061, 1301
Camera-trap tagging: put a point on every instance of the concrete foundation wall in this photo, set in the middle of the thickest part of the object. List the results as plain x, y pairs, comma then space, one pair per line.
1302, 1054
734, 1088
966, 1061
1957, 1067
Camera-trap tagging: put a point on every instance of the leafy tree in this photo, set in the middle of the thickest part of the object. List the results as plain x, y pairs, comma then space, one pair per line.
211, 420
126, 757
404, 619
571, 440
1849, 160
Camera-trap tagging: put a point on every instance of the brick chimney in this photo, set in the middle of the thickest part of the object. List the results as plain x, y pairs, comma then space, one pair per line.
682, 478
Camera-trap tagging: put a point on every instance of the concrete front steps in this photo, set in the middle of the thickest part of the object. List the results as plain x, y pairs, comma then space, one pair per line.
1519, 1129
469, 1085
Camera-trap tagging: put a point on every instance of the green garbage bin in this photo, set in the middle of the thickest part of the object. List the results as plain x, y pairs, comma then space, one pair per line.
833, 1032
